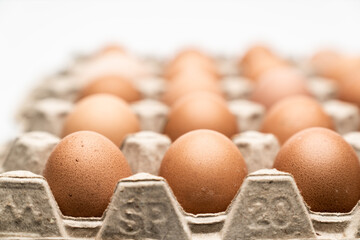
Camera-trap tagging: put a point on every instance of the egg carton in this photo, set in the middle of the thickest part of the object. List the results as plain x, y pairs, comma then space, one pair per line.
267, 206
144, 150
49, 114
48, 104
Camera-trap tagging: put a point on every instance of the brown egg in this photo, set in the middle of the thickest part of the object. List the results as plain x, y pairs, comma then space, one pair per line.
190, 58
82, 172
111, 48
325, 168
345, 67
258, 60
182, 86
325, 61
277, 84
200, 110
349, 87
103, 113
254, 59
263, 65
193, 73
112, 84
294, 114
204, 170
253, 53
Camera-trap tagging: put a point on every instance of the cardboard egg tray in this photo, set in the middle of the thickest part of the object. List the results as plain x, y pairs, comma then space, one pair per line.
267, 206
47, 105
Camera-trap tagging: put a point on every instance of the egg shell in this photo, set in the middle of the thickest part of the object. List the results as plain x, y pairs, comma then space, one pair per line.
112, 48
349, 88
277, 84
183, 86
344, 67
200, 110
294, 114
255, 52
191, 58
325, 168
261, 64
204, 170
112, 84
193, 72
324, 62
82, 172
103, 113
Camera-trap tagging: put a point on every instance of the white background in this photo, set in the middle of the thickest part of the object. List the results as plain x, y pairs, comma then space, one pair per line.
39, 37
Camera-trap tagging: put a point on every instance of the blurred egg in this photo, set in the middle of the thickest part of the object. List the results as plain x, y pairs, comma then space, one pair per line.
294, 114
110, 63
103, 113
277, 84
112, 84
258, 60
184, 85
325, 168
200, 110
204, 170
324, 62
263, 65
82, 172
331, 64
255, 52
349, 87
111, 48
190, 58
193, 73
345, 67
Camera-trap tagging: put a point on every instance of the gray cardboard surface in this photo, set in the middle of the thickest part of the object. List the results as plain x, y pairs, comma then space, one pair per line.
235, 87
249, 114
27, 208
346, 116
145, 151
258, 149
143, 210
30, 152
268, 208
152, 114
46, 115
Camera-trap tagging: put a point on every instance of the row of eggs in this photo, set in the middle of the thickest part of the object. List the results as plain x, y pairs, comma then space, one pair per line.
203, 167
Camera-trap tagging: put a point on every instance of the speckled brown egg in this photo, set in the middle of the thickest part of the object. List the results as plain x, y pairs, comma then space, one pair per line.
277, 84
182, 86
204, 170
112, 84
294, 114
103, 113
325, 168
82, 172
200, 110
